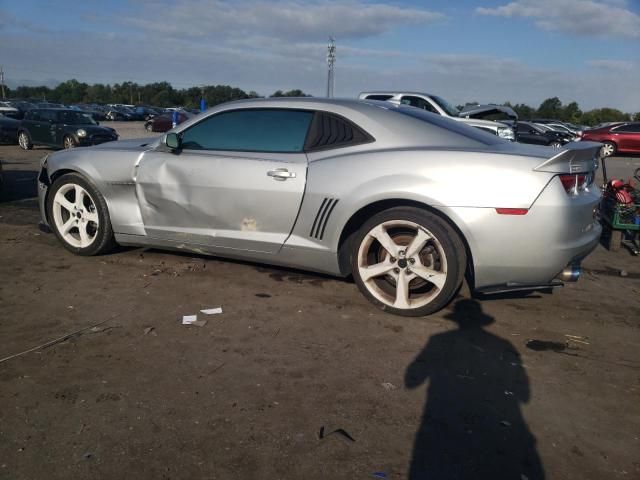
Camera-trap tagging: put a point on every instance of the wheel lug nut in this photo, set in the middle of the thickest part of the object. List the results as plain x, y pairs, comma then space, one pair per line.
397, 270
408, 270
393, 259
412, 260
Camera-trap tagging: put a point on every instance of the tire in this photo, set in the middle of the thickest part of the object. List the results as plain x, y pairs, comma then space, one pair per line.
608, 149
68, 142
24, 140
431, 274
148, 127
90, 214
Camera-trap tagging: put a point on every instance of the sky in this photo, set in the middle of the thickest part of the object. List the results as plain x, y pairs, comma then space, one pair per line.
486, 51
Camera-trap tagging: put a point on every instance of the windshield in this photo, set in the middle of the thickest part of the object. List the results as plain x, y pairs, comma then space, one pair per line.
76, 118
446, 106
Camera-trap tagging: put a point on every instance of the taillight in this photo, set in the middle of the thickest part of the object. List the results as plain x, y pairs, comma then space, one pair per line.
576, 182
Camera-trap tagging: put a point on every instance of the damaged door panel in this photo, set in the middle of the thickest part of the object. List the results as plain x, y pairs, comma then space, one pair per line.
226, 200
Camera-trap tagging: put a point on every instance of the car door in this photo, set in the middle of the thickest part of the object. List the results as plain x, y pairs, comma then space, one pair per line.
528, 134
35, 126
627, 137
236, 183
48, 126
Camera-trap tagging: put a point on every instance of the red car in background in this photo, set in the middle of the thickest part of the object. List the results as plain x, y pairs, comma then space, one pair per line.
618, 138
164, 122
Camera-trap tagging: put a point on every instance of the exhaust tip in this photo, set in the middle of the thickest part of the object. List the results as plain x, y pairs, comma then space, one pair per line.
571, 273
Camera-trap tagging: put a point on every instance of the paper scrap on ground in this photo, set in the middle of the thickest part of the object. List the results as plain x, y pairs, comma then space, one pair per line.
212, 311
189, 319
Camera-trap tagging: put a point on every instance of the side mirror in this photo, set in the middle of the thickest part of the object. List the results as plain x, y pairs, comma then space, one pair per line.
172, 141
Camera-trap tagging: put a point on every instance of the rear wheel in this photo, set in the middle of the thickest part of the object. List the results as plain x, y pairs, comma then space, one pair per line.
68, 142
608, 149
148, 127
78, 214
408, 261
24, 141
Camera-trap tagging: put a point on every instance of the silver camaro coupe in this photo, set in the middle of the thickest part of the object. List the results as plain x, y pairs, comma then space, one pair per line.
405, 201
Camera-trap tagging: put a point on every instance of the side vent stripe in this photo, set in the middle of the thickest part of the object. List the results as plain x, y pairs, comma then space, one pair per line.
326, 220
315, 221
322, 215
322, 218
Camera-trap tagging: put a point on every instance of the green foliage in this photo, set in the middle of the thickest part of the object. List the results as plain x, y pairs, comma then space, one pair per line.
162, 94
290, 93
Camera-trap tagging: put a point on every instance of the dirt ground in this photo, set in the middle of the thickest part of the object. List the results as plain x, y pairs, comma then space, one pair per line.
300, 377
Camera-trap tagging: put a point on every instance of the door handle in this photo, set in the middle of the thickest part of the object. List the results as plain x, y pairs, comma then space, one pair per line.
281, 174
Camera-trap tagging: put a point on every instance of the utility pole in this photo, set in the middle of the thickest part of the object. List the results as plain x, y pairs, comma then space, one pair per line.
2, 81
331, 60
130, 94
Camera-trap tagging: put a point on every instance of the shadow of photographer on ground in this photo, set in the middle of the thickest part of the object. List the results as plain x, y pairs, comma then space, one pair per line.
472, 426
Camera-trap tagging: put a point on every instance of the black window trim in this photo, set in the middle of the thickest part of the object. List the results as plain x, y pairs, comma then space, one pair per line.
367, 137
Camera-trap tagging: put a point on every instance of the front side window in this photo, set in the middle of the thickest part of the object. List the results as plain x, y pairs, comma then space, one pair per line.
259, 130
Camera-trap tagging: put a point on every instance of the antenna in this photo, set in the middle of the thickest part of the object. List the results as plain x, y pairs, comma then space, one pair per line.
331, 60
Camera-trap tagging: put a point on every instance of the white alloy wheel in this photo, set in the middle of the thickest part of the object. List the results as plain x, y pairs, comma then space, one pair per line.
75, 215
68, 142
23, 141
608, 149
402, 264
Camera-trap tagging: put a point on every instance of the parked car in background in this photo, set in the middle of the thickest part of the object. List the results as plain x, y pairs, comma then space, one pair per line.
531, 133
9, 130
61, 128
7, 110
146, 112
403, 200
21, 106
164, 122
617, 138
439, 106
117, 114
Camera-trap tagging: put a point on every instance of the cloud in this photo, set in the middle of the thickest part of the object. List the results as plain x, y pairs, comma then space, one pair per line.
612, 64
284, 19
591, 18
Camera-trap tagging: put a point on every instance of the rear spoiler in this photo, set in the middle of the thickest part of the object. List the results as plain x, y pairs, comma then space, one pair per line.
573, 158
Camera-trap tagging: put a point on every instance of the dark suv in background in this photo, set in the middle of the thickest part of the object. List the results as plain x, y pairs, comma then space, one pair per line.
61, 128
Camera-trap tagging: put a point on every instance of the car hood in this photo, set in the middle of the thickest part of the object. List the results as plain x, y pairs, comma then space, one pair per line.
7, 122
483, 111
134, 145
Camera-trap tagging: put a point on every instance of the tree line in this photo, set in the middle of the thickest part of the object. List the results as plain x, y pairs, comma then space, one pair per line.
163, 94
552, 108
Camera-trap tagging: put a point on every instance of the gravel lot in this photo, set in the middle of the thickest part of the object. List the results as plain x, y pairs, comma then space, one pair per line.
530, 384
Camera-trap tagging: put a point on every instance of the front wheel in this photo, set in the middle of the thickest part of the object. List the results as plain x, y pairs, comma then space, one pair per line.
408, 261
79, 217
68, 142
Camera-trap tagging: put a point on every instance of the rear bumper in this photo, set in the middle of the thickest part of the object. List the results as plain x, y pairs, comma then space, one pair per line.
532, 249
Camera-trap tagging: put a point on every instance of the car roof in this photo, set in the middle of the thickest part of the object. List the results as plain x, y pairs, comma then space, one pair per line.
396, 92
